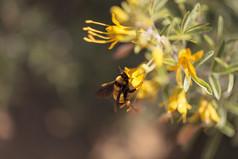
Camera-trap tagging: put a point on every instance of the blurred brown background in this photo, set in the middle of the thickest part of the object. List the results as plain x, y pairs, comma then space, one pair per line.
48, 76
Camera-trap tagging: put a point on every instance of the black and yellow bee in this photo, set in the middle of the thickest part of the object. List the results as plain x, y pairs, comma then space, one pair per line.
121, 89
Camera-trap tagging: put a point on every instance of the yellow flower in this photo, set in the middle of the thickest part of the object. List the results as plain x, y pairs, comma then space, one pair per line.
114, 33
136, 75
178, 102
120, 14
150, 89
206, 112
157, 55
184, 58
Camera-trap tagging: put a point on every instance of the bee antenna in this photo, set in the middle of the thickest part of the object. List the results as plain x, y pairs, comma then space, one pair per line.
119, 68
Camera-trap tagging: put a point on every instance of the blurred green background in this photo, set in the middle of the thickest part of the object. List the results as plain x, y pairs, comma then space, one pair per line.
48, 76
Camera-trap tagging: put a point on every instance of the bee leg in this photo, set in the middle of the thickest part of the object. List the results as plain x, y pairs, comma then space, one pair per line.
116, 106
131, 90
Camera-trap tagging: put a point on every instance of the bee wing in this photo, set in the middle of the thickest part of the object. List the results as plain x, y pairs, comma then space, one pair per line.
105, 91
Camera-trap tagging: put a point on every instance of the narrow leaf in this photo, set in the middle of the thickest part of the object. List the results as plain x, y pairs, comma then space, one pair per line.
230, 69
219, 61
164, 30
202, 84
192, 17
215, 84
186, 84
233, 108
228, 129
230, 82
169, 61
195, 27
185, 18
211, 146
219, 54
199, 30
220, 28
209, 41
204, 58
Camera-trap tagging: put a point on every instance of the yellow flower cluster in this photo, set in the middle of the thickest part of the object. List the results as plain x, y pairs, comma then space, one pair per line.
140, 30
114, 33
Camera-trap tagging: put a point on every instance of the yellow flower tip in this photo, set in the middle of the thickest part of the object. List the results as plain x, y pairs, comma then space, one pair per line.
113, 44
120, 14
85, 28
206, 112
157, 55
87, 39
88, 21
178, 102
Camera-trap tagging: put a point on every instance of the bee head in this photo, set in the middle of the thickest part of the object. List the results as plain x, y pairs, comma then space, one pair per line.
124, 76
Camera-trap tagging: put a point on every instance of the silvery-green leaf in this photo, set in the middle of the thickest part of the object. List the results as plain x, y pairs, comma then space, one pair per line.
202, 84
230, 82
186, 84
209, 41
219, 54
221, 62
195, 27
229, 69
215, 84
164, 30
191, 17
220, 29
185, 18
228, 129
232, 108
211, 146
204, 58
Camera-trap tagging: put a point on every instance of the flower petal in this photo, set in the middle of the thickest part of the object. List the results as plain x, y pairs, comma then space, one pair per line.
157, 55
114, 20
196, 56
179, 76
173, 68
191, 69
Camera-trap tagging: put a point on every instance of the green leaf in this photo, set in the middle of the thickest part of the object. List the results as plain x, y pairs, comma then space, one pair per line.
211, 146
219, 54
222, 111
159, 4
220, 29
185, 18
202, 84
232, 108
231, 79
228, 129
186, 84
164, 30
169, 61
191, 17
195, 27
199, 30
204, 58
209, 40
215, 86
233, 40
219, 61
181, 37
229, 69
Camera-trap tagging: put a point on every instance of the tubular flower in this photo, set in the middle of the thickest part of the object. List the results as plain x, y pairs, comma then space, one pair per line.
157, 55
185, 56
114, 33
150, 89
178, 102
136, 75
206, 112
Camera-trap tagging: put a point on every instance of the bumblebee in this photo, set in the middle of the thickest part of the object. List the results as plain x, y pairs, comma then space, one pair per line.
121, 89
